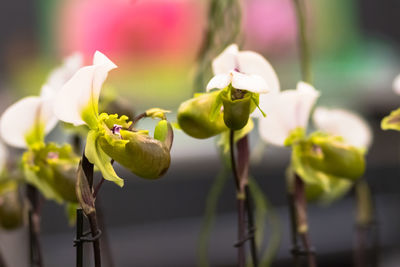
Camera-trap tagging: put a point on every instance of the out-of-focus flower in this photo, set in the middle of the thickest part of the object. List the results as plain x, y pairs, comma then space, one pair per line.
24, 124
29, 119
328, 160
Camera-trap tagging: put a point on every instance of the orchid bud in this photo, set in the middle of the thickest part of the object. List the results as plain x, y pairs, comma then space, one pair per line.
196, 116
11, 209
52, 169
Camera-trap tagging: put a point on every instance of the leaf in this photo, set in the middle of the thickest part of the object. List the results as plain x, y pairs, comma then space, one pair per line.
84, 192
100, 159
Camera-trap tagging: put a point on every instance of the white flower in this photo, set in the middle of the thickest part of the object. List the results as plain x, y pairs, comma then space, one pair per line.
77, 101
344, 123
33, 115
286, 111
246, 70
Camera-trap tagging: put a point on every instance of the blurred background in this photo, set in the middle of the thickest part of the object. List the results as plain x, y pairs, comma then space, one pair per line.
355, 51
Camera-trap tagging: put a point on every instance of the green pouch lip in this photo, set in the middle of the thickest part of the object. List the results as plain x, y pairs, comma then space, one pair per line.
236, 112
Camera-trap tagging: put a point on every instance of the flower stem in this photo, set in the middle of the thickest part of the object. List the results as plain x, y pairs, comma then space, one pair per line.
79, 232
305, 55
243, 167
300, 204
94, 229
364, 227
36, 258
244, 204
240, 205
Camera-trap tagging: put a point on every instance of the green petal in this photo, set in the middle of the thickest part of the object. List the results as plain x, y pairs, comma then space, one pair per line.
392, 121
100, 159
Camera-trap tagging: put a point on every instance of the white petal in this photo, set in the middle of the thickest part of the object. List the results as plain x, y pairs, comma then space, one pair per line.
99, 59
82, 89
249, 82
272, 130
254, 63
343, 123
19, 118
74, 96
396, 85
226, 61
59, 76
286, 111
219, 81
306, 98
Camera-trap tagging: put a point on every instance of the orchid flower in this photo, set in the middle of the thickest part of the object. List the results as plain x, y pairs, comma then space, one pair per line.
24, 124
241, 77
392, 121
110, 136
327, 160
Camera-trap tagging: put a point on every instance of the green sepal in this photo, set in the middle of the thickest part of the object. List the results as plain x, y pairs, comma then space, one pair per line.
52, 170
223, 141
338, 187
256, 101
11, 209
164, 133
236, 112
194, 116
392, 121
95, 154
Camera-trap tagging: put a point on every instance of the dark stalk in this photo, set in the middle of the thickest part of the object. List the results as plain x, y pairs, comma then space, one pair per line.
94, 229
293, 227
300, 205
79, 233
36, 258
243, 169
240, 205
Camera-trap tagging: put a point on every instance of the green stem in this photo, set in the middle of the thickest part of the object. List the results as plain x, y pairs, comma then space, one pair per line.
305, 55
